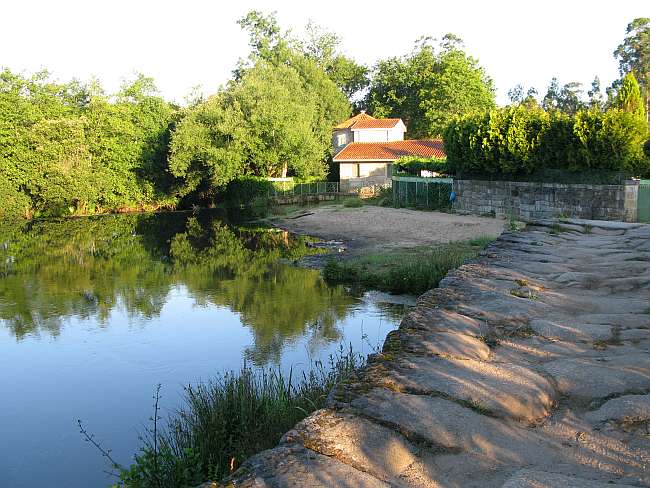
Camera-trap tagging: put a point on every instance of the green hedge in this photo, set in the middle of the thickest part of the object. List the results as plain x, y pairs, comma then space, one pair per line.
413, 165
521, 141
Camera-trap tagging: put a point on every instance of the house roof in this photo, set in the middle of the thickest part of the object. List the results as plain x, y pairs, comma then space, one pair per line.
390, 151
365, 121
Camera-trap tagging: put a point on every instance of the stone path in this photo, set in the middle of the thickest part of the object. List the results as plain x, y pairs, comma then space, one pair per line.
527, 368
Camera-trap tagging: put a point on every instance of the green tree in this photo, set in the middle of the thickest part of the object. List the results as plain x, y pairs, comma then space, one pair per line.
566, 99
596, 100
430, 87
323, 47
629, 97
262, 125
633, 55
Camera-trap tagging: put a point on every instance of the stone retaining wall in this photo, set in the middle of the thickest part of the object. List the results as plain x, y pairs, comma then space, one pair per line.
530, 201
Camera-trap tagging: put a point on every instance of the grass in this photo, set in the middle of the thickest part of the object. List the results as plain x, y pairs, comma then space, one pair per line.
353, 202
227, 420
411, 271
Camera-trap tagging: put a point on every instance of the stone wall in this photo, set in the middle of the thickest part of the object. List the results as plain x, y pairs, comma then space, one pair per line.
529, 201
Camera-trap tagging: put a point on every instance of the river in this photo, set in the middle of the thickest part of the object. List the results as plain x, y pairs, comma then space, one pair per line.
95, 312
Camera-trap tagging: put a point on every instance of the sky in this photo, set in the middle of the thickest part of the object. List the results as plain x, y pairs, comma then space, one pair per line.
185, 43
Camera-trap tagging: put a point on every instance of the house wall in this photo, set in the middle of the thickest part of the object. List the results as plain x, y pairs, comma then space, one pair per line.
379, 135
371, 174
530, 201
365, 170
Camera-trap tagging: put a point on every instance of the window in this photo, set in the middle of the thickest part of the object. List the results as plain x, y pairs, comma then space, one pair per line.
341, 140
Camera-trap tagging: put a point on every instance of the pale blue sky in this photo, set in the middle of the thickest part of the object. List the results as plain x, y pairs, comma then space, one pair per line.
185, 43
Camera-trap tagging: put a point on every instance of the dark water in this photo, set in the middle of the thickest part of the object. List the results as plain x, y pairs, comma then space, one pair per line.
95, 312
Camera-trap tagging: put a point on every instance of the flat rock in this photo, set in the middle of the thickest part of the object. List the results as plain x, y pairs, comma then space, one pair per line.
338, 435
452, 427
590, 379
570, 331
504, 390
527, 478
297, 467
438, 319
628, 408
448, 344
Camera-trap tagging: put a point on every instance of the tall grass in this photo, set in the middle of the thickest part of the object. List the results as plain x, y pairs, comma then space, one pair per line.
407, 271
227, 420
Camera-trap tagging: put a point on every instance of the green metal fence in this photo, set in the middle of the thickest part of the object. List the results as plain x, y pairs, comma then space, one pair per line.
429, 193
643, 203
291, 189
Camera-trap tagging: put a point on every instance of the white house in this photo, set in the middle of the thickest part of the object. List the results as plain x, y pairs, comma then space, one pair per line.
365, 149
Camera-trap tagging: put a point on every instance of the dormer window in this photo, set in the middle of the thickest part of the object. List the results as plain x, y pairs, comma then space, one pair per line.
341, 140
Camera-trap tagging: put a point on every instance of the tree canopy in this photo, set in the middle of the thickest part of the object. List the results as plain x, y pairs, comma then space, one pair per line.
262, 124
430, 87
633, 55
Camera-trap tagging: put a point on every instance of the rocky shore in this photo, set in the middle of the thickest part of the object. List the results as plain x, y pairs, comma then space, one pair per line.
528, 367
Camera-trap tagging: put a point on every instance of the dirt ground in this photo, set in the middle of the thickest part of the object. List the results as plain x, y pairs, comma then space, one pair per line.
373, 229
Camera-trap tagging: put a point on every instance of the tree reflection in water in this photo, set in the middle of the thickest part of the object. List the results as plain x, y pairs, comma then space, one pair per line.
55, 270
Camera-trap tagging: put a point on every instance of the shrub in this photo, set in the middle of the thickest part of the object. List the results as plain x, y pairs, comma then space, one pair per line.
14, 204
413, 165
353, 203
524, 141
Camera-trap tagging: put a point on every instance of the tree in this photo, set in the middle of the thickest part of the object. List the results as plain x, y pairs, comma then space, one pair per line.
323, 47
629, 97
516, 96
633, 55
595, 94
429, 87
565, 99
261, 125
278, 48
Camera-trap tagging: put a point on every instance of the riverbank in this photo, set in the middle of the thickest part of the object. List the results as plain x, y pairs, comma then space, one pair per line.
527, 367
372, 229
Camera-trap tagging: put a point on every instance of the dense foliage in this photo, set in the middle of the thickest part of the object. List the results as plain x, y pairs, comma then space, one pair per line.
414, 165
68, 148
429, 87
274, 119
520, 141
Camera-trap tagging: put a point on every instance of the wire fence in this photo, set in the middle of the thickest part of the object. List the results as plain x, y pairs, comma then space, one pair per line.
429, 193
291, 189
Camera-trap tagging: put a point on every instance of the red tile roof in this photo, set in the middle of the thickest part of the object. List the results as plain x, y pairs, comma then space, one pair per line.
390, 151
375, 124
350, 122
365, 121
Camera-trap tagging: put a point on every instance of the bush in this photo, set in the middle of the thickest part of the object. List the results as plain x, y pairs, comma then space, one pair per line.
413, 165
523, 141
14, 204
353, 203
406, 271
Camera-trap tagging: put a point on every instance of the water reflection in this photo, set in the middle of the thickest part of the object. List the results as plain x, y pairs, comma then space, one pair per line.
86, 268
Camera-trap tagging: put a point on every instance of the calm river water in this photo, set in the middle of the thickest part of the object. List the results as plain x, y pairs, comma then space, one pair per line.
95, 312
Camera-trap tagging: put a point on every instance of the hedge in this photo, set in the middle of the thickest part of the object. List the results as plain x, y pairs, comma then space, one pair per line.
520, 141
414, 164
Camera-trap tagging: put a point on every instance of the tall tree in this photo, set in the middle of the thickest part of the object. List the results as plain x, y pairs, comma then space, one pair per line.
261, 124
271, 45
633, 55
323, 47
629, 97
566, 99
429, 87
595, 94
